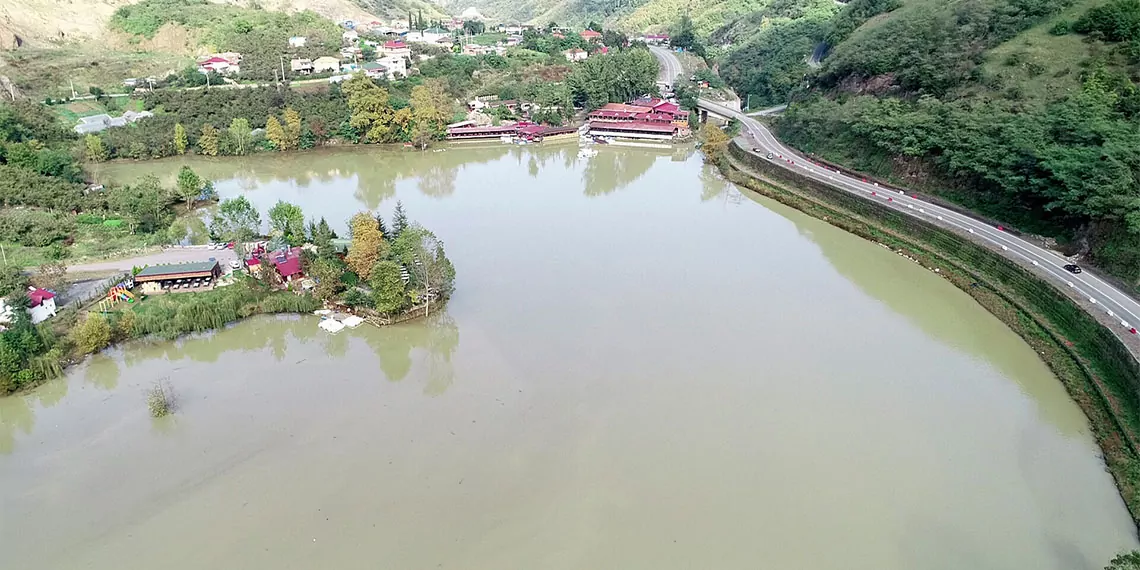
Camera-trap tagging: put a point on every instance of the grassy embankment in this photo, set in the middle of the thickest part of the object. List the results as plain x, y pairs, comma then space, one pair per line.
1096, 369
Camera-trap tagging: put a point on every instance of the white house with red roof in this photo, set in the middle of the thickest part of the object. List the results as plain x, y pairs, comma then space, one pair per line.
591, 36
396, 48
41, 305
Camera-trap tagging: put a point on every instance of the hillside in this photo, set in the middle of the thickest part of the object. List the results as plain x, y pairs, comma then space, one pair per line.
629, 15
44, 22
1023, 110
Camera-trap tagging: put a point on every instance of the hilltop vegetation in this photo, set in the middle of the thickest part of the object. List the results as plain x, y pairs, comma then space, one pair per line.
1022, 110
632, 16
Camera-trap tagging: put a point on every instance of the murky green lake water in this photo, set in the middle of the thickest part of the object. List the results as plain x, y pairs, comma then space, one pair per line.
641, 368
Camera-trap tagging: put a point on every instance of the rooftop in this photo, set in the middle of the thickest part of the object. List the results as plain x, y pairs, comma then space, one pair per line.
38, 296
175, 268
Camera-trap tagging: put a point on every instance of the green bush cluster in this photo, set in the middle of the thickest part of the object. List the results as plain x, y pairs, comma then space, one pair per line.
1058, 169
34, 228
1117, 21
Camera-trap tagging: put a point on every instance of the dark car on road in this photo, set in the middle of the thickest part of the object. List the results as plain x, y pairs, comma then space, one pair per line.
1073, 268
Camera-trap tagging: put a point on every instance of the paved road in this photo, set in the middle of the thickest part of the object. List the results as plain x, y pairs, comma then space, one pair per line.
1107, 303
169, 255
670, 65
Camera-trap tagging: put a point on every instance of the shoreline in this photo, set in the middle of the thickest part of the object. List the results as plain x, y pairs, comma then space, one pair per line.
1096, 369
413, 314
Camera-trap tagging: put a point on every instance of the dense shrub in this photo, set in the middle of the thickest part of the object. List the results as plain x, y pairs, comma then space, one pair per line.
34, 227
1118, 21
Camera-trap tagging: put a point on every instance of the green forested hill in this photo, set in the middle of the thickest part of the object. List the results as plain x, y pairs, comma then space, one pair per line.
1024, 110
628, 15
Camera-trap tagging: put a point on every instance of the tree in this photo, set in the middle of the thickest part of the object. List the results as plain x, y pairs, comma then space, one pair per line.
289, 220
12, 280
189, 186
322, 236
715, 144
367, 245
144, 204
422, 254
96, 152
399, 220
430, 112
613, 78
208, 142
240, 134
383, 228
292, 128
180, 140
326, 272
389, 293
473, 27
50, 275
236, 220
370, 107
93, 335
1125, 561
594, 26
276, 134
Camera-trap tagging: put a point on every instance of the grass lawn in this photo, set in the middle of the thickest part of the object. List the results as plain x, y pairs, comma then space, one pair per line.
50, 72
488, 39
70, 112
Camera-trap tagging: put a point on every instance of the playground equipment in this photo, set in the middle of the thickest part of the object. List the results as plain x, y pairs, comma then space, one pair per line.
117, 294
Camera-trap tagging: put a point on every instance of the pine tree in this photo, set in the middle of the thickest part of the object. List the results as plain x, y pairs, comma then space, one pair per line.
180, 140
208, 142
276, 134
383, 227
399, 220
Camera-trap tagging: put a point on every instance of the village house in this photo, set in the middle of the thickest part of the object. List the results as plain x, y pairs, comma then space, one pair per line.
591, 36
397, 66
351, 53
400, 26
223, 64
178, 277
287, 263
656, 39
301, 66
396, 48
297, 41
428, 36
41, 305
326, 64
349, 36
97, 123
575, 54
375, 70
477, 49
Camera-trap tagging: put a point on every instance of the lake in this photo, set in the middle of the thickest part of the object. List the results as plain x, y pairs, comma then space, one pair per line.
642, 367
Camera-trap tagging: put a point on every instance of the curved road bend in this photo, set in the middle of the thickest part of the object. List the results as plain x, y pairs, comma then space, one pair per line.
1105, 302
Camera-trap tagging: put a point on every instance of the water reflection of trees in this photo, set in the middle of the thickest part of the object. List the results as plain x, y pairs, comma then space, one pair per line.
614, 169
438, 336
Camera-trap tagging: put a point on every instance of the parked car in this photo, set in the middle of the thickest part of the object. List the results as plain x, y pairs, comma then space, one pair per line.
1073, 268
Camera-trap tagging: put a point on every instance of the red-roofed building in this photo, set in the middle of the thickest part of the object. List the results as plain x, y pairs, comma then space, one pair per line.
591, 35
41, 304
288, 263
636, 130
626, 108
396, 48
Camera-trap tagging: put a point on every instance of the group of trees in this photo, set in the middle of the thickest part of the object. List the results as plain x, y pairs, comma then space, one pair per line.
1068, 168
615, 77
377, 120
388, 267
